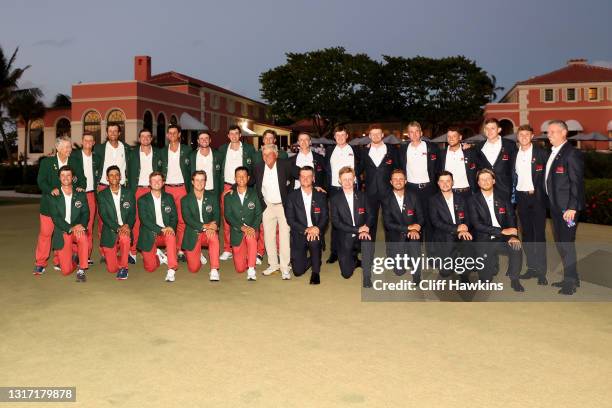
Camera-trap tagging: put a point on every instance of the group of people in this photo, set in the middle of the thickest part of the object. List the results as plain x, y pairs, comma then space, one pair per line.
433, 200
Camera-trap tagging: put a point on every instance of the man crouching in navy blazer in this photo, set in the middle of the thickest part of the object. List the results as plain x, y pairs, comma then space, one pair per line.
494, 224
352, 220
306, 213
403, 219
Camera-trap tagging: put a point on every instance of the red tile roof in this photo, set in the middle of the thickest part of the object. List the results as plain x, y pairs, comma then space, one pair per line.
572, 73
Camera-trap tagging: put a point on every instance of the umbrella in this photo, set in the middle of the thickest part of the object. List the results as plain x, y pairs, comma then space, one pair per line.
439, 139
543, 136
188, 122
392, 139
475, 139
323, 141
360, 141
598, 137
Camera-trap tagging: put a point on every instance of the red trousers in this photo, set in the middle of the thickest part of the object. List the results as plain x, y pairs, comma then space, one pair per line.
65, 254
245, 254
114, 261
193, 257
177, 193
226, 226
43, 244
91, 202
150, 260
140, 191
100, 188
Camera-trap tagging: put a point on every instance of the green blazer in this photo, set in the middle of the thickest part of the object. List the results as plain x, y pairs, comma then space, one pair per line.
133, 169
48, 179
77, 162
185, 163
79, 214
106, 208
248, 157
238, 214
259, 156
100, 150
217, 174
191, 216
146, 212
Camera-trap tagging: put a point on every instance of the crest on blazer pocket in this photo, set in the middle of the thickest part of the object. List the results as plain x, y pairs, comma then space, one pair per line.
410, 211
248, 160
361, 210
560, 170
78, 204
319, 168
251, 205
75, 179
539, 167
389, 161
502, 210
167, 209
160, 162
209, 208
461, 214
217, 166
472, 166
316, 210
505, 157
187, 161
126, 204
433, 156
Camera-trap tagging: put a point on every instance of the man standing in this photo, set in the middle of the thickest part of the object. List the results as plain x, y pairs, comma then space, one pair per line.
267, 138
528, 176
175, 168
336, 157
158, 219
306, 157
201, 213
403, 219
233, 155
49, 183
117, 206
564, 184
306, 212
496, 154
462, 164
144, 159
208, 160
242, 209
494, 223
273, 178
70, 214
353, 221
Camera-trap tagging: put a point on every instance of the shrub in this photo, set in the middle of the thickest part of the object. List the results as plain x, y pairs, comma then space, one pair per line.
598, 194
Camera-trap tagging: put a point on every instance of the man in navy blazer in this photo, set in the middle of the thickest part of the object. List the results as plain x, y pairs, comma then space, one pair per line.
462, 163
306, 212
564, 182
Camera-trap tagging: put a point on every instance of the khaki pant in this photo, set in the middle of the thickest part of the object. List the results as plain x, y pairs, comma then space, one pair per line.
273, 216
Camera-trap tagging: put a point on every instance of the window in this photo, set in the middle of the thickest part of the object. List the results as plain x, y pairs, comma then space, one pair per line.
160, 138
214, 101
37, 136
245, 109
91, 123
173, 120
62, 128
215, 122
116, 117
593, 94
230, 104
571, 94
549, 95
147, 122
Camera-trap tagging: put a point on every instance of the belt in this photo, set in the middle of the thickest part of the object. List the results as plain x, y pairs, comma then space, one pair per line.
175, 185
530, 192
461, 190
421, 185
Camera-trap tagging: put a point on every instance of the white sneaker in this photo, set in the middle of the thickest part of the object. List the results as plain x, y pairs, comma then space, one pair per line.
170, 275
225, 256
286, 275
57, 267
214, 275
203, 260
163, 259
258, 260
271, 270
251, 274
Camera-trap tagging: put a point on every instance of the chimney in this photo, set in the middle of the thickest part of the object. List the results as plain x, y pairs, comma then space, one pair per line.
577, 61
142, 68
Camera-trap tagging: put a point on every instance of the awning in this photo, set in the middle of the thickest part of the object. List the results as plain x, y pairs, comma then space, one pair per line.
439, 139
391, 139
188, 122
246, 131
598, 137
572, 126
544, 127
610, 126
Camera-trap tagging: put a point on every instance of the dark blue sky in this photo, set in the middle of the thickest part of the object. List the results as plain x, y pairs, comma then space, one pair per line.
230, 44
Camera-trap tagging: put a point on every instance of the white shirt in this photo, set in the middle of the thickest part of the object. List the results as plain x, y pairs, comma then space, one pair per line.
117, 200
490, 203
159, 219
114, 157
200, 201
269, 185
146, 167
377, 154
340, 157
491, 150
349, 200
241, 196
88, 170
303, 160
416, 163
455, 163
68, 201
553, 153
308, 206
523, 169
400, 201
206, 163
233, 159
60, 164
174, 175
450, 203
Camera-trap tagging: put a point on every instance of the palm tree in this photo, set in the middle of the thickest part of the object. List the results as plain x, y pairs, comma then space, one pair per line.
26, 106
61, 101
495, 88
9, 76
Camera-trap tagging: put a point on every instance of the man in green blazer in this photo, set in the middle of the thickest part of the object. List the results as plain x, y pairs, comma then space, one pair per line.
117, 206
209, 160
158, 220
233, 155
69, 212
144, 159
243, 214
201, 213
49, 183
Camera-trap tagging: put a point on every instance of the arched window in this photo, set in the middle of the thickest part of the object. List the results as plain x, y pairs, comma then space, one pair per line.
91, 123
37, 136
161, 130
507, 127
173, 120
147, 123
116, 117
62, 128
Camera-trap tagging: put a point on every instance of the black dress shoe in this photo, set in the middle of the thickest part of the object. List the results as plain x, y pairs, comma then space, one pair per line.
332, 258
542, 280
516, 285
530, 273
561, 283
568, 288
315, 279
